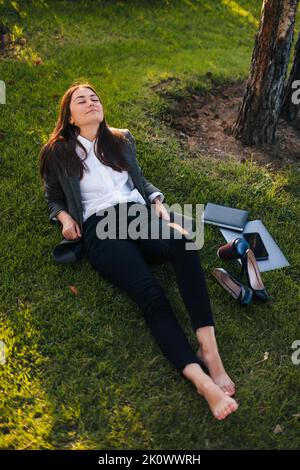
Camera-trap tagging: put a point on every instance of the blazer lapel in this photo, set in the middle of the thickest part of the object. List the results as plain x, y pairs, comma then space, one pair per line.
74, 182
134, 173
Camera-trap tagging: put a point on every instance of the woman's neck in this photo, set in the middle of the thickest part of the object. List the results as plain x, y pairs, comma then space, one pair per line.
89, 132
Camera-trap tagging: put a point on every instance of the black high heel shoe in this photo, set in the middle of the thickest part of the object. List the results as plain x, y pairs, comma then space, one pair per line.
239, 249
239, 291
250, 266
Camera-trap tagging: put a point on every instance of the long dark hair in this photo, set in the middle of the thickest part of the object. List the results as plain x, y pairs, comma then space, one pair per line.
59, 153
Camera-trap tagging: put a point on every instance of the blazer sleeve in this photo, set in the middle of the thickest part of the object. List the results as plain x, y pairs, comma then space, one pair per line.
149, 188
54, 196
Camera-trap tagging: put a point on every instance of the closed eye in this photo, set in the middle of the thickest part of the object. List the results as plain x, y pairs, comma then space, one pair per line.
81, 102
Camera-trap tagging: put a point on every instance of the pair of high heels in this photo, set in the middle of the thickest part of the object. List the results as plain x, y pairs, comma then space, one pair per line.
239, 249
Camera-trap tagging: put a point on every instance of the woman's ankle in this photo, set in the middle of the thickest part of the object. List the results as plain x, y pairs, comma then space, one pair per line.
206, 339
195, 374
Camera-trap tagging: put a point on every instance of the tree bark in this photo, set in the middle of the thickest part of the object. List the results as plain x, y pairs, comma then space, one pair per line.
289, 109
4, 35
259, 114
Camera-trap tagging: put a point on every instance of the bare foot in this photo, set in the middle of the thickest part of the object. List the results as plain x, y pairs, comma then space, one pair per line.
220, 403
216, 370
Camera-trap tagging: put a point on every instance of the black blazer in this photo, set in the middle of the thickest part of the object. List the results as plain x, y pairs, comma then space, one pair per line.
62, 193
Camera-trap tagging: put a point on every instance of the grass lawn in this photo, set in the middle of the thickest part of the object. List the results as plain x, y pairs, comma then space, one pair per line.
83, 371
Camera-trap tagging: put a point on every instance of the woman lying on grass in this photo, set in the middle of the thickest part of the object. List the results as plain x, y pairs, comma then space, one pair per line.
90, 169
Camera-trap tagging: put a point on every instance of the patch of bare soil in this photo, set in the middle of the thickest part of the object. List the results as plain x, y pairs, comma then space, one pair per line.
202, 121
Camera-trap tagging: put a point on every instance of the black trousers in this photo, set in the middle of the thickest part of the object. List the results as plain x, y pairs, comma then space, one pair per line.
124, 263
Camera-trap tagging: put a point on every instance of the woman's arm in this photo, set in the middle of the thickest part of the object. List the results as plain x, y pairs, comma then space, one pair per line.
54, 196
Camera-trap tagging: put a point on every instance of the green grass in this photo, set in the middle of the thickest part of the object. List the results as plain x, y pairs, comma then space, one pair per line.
83, 372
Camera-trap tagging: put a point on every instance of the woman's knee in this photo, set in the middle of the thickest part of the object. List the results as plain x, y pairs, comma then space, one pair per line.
147, 289
155, 306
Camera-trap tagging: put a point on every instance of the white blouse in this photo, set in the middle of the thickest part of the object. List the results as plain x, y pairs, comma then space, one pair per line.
102, 186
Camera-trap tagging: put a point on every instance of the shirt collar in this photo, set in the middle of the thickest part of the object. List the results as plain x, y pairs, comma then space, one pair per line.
86, 143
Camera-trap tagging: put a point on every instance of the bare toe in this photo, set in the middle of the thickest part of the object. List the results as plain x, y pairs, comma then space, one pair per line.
220, 402
229, 389
234, 406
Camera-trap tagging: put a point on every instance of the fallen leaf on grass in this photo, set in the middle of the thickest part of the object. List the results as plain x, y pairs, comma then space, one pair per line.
278, 429
266, 356
74, 290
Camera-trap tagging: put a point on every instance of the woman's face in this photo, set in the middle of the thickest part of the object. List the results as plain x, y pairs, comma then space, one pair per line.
85, 108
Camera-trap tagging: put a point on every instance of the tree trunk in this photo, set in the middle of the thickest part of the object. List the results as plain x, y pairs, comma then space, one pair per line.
4, 35
260, 111
289, 109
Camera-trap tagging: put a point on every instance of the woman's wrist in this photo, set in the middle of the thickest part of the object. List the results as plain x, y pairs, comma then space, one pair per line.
156, 200
62, 216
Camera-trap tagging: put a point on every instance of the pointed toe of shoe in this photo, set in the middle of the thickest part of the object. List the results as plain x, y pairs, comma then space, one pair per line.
261, 295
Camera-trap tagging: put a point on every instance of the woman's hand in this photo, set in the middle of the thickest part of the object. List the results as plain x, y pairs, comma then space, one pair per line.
70, 228
160, 209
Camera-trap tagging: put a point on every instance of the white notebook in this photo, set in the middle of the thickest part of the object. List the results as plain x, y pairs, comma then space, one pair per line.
276, 257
